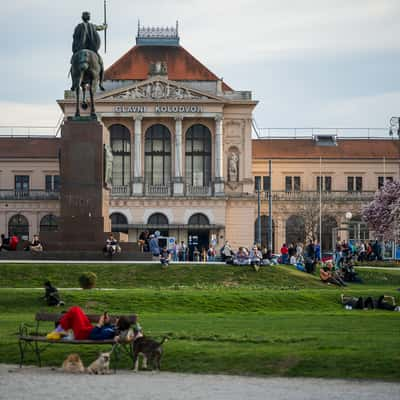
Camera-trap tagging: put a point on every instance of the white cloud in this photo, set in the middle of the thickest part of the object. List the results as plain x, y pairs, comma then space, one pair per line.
363, 111
28, 114
219, 33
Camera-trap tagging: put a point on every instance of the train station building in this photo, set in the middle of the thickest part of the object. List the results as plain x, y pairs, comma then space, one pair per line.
186, 163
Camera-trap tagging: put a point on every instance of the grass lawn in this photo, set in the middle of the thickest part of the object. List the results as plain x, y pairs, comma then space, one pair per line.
222, 319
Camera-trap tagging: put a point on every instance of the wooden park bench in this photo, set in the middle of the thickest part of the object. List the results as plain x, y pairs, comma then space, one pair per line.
37, 341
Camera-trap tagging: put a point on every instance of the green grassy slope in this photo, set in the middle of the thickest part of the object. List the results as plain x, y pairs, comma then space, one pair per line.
223, 319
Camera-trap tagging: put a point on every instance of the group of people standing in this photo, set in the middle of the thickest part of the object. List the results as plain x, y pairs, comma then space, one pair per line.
304, 258
178, 251
363, 251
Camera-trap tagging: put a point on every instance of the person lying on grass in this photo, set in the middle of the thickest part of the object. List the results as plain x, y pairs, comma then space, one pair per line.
76, 320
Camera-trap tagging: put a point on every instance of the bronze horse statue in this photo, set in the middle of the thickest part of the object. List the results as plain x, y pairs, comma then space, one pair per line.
85, 73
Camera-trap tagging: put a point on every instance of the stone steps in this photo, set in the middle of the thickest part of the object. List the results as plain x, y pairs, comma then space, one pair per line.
78, 255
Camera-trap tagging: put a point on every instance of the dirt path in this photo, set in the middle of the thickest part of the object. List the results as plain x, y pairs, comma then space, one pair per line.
34, 383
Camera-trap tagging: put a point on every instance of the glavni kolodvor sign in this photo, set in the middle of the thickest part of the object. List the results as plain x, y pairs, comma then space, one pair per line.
159, 109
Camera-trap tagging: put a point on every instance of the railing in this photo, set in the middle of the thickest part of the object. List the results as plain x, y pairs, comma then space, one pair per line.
198, 190
158, 190
30, 131
309, 133
28, 195
315, 196
120, 190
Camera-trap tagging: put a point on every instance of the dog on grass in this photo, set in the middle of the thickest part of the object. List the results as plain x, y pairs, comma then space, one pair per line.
150, 349
73, 364
101, 365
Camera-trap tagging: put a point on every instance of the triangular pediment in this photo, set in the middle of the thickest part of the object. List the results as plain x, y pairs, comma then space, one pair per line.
156, 88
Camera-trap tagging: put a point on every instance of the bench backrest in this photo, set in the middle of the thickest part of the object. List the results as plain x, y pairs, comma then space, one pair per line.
93, 318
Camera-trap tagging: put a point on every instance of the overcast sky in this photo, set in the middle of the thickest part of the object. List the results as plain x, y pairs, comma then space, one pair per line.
321, 63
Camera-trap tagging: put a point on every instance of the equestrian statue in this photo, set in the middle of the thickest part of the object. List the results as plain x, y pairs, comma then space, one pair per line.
87, 69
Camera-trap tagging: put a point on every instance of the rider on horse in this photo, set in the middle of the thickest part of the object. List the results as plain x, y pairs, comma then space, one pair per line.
86, 37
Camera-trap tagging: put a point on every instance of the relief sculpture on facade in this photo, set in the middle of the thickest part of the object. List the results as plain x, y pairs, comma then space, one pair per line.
158, 90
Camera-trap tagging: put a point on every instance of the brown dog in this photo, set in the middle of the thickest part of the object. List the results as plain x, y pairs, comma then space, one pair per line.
150, 349
73, 364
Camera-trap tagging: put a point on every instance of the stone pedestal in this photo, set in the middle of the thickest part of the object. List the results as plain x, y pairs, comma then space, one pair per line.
178, 186
84, 205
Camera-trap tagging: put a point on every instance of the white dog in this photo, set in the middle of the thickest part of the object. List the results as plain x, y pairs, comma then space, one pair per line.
101, 365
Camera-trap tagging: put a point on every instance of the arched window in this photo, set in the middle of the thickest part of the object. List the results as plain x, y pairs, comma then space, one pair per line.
198, 219
328, 237
118, 219
18, 225
198, 156
121, 150
48, 223
159, 222
295, 229
264, 231
157, 219
157, 166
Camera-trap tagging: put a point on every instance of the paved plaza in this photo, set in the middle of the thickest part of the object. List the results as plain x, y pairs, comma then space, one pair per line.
42, 383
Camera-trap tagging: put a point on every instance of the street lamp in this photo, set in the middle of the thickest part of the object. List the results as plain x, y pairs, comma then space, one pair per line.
349, 216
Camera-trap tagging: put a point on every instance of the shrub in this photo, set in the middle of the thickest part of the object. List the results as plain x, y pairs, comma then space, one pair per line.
88, 280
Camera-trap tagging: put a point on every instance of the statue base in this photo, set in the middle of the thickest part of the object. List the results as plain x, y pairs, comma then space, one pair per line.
84, 204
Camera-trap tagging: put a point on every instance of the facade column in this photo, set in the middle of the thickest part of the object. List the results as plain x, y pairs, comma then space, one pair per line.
219, 157
137, 187
178, 178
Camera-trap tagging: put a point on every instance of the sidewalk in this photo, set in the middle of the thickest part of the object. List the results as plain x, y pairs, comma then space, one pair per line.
45, 383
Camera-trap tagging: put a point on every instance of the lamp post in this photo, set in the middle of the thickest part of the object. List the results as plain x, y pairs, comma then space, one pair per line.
395, 128
348, 217
259, 213
270, 244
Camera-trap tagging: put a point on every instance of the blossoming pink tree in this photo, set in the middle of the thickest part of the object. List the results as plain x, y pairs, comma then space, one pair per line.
383, 213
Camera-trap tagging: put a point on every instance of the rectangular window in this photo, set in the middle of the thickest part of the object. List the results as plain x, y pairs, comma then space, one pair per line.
288, 183
382, 180
325, 182
257, 183
266, 184
21, 183
49, 183
350, 184
359, 184
292, 184
354, 184
296, 183
328, 183
52, 183
56, 183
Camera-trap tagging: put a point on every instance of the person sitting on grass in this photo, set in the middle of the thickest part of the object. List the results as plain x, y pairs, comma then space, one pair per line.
326, 276
165, 257
112, 246
52, 295
348, 272
76, 320
35, 246
9, 244
255, 256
